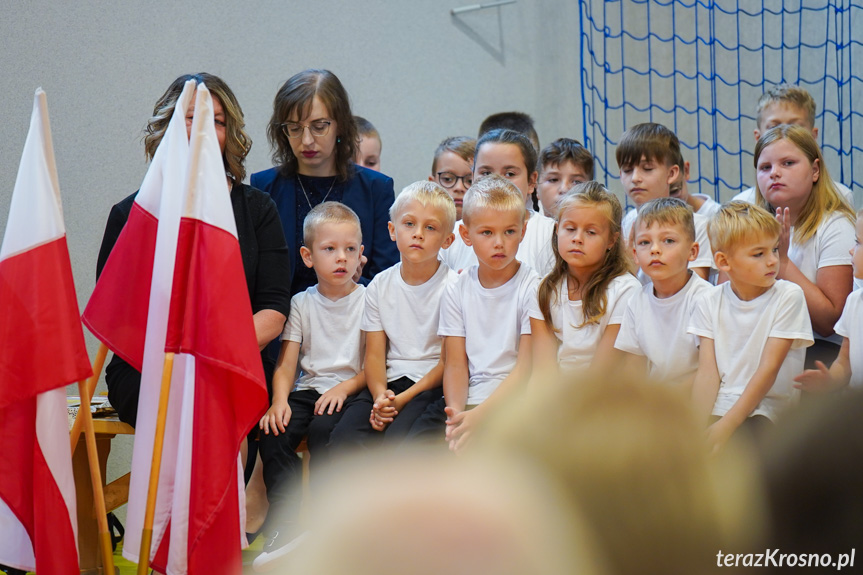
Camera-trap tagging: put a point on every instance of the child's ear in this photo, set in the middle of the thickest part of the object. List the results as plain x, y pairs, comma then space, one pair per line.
673, 172
392, 228
816, 169
447, 242
362, 247
721, 261
306, 254
431, 178
693, 251
686, 170
531, 182
815, 133
524, 226
757, 133
462, 231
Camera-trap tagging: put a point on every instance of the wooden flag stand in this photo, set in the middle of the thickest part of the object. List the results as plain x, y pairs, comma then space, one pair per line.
158, 441
85, 419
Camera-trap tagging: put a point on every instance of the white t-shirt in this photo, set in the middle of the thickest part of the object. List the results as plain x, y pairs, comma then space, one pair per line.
740, 329
830, 246
848, 327
749, 195
656, 328
534, 250
709, 207
491, 321
578, 344
409, 316
705, 254
332, 344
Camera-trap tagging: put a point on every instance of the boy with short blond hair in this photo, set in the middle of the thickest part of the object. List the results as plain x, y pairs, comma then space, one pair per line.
654, 325
786, 104
648, 156
403, 350
562, 164
753, 329
484, 314
322, 338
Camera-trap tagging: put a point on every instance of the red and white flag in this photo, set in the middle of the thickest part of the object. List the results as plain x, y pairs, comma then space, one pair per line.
217, 389
41, 351
211, 328
128, 312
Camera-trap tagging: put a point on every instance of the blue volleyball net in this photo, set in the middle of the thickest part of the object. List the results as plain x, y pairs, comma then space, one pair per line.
699, 67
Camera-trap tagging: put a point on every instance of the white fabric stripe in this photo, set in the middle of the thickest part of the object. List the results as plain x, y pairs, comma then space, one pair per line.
178, 554
16, 549
35, 212
52, 433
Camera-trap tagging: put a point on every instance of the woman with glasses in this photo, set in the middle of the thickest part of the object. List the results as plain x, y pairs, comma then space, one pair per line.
314, 140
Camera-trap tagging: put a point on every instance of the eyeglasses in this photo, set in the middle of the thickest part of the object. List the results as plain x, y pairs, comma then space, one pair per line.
317, 128
448, 179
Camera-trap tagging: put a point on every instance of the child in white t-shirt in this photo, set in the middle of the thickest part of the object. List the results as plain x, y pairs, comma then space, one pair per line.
403, 364
654, 325
483, 316
817, 228
752, 330
511, 155
320, 369
576, 314
648, 156
848, 367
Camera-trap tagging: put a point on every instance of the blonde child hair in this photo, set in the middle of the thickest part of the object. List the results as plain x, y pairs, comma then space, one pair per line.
669, 212
429, 195
594, 298
737, 222
824, 199
784, 93
495, 193
328, 213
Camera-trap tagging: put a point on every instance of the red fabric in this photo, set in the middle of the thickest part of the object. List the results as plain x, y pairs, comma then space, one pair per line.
28, 488
211, 319
117, 311
41, 342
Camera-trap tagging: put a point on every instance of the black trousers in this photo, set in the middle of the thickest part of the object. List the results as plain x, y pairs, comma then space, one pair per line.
354, 431
431, 426
283, 470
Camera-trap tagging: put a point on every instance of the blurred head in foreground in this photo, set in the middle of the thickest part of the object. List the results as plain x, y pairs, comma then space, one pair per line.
635, 462
814, 471
430, 513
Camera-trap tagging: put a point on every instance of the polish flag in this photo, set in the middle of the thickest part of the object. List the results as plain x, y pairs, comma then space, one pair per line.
41, 351
199, 309
128, 312
211, 329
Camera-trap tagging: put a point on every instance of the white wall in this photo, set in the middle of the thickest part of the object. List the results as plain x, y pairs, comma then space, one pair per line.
412, 69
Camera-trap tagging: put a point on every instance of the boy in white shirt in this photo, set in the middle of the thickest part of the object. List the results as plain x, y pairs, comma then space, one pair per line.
322, 338
847, 369
654, 325
647, 156
484, 314
403, 364
752, 330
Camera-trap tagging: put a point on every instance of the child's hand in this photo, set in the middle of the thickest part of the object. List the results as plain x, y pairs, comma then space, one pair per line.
383, 410
718, 435
331, 401
783, 216
276, 418
816, 380
358, 274
459, 425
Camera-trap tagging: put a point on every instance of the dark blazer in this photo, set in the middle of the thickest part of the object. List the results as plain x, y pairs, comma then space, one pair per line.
370, 194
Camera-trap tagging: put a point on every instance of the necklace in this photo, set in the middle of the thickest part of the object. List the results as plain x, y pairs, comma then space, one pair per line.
308, 201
